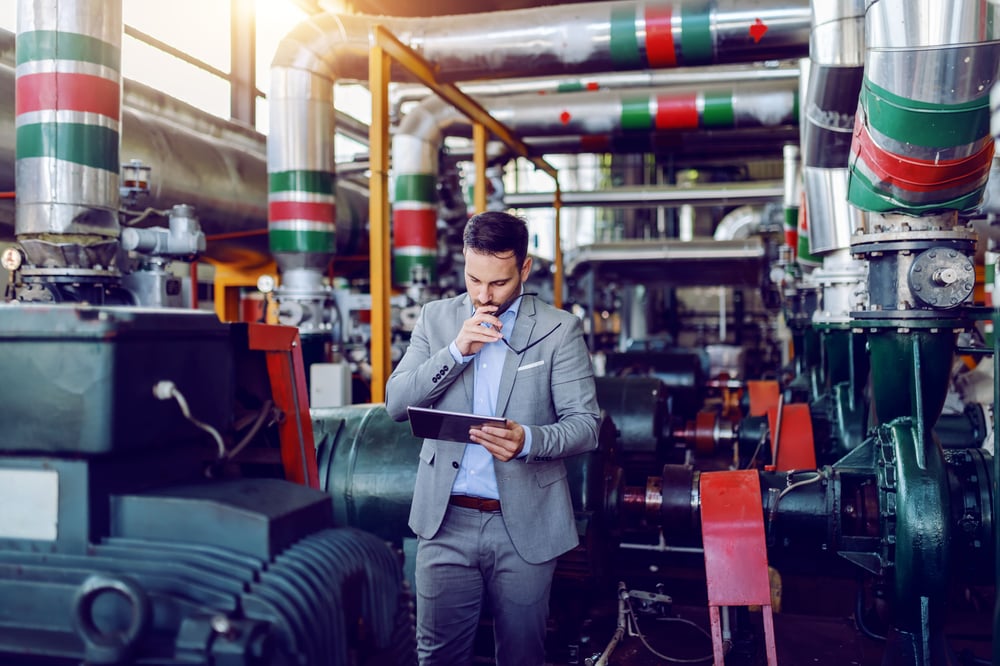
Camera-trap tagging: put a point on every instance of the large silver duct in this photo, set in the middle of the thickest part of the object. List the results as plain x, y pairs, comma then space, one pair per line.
543, 41
67, 115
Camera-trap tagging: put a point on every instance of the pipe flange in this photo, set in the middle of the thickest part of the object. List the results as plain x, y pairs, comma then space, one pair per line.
941, 278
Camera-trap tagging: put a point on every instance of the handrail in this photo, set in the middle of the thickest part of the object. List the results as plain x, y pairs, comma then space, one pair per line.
385, 47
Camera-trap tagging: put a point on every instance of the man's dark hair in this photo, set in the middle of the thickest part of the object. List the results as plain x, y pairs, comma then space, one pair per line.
497, 233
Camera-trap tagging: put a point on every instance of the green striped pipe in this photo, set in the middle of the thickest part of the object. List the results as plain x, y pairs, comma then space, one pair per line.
414, 228
918, 157
708, 110
301, 179
67, 125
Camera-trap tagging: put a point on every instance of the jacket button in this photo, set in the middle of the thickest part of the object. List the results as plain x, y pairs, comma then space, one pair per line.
454, 463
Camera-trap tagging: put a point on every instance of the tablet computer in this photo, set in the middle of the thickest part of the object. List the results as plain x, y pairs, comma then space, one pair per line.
453, 426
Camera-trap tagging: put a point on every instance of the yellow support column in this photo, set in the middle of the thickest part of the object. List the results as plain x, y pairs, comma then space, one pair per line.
378, 219
557, 278
479, 137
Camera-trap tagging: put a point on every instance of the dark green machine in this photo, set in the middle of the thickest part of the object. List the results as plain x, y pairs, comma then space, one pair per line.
130, 534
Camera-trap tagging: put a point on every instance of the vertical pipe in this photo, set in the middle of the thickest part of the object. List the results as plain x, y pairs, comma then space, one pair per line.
379, 220
301, 202
68, 118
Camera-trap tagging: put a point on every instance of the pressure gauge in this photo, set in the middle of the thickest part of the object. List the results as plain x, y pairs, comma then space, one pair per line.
265, 284
11, 259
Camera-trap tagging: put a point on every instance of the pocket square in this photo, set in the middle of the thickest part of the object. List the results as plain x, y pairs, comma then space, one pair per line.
529, 366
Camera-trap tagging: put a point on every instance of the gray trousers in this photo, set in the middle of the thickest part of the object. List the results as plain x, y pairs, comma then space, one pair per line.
471, 560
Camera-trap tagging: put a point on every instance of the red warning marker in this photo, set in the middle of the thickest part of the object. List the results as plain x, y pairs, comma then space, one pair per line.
565, 117
757, 30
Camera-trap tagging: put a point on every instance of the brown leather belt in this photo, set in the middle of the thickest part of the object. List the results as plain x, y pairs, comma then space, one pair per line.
478, 503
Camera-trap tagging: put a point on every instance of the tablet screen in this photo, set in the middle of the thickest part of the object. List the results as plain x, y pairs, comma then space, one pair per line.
453, 426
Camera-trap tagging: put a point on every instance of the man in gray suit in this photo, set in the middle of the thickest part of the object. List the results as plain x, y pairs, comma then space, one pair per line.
493, 514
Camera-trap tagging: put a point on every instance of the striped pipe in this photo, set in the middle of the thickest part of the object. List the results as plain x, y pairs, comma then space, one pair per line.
921, 136
417, 142
830, 104
793, 194
705, 110
414, 212
67, 119
538, 41
690, 77
301, 201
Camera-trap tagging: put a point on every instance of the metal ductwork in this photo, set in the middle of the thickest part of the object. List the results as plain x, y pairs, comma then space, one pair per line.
922, 141
68, 115
420, 136
593, 37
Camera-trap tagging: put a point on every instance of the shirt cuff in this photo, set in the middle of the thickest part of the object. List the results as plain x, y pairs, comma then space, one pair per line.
453, 348
526, 451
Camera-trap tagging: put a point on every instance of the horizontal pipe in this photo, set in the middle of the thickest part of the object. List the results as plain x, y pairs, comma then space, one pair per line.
731, 194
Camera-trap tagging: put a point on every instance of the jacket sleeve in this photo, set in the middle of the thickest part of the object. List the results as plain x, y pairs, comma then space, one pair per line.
427, 368
574, 398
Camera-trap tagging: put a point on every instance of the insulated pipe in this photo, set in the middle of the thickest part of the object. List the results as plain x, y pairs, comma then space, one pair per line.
721, 194
417, 143
837, 66
68, 114
921, 137
589, 37
402, 94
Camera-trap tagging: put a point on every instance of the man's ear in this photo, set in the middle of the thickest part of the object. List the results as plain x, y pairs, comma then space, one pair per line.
525, 269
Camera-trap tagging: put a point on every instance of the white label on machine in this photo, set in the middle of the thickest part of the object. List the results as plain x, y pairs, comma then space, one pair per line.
30, 501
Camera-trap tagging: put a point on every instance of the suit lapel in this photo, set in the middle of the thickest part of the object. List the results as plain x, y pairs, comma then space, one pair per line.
523, 326
463, 312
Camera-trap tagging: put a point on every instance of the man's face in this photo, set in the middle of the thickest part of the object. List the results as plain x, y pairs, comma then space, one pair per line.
491, 279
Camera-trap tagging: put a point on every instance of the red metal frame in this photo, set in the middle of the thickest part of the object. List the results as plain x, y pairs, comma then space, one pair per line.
794, 448
763, 396
732, 531
286, 370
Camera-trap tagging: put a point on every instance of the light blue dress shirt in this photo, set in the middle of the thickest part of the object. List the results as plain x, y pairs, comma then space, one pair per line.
476, 475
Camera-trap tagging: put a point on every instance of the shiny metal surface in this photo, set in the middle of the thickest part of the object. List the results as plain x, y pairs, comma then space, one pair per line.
792, 172
730, 194
697, 262
842, 280
948, 74
832, 219
896, 24
838, 33
786, 26
743, 222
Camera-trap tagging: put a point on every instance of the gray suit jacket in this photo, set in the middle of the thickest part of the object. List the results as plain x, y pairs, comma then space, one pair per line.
548, 389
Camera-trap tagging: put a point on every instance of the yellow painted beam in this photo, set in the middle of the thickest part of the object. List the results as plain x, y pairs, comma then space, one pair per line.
479, 138
378, 221
427, 73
